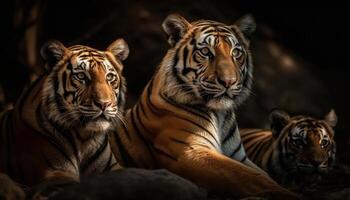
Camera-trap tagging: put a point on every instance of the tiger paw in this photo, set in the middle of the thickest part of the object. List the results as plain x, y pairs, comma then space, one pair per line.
49, 189
9, 190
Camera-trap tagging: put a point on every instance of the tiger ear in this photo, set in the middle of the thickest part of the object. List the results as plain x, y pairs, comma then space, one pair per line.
331, 118
52, 52
119, 48
278, 120
175, 26
246, 25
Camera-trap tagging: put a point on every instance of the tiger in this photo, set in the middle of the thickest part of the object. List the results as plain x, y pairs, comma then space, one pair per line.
296, 151
58, 127
184, 120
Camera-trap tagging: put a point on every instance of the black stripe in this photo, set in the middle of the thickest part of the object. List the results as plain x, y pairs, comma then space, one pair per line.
52, 140
109, 164
205, 38
71, 140
209, 31
249, 137
142, 109
65, 133
269, 164
120, 98
243, 159
259, 152
138, 132
187, 144
57, 101
195, 58
187, 70
229, 134
255, 150
175, 73
164, 153
110, 167
246, 76
139, 117
150, 105
206, 139
224, 30
48, 162
70, 66
98, 153
179, 141
236, 150
125, 156
281, 155
184, 54
125, 129
198, 125
58, 147
193, 41
66, 91
193, 112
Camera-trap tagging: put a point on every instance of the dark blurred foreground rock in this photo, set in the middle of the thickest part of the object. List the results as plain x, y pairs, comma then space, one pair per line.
133, 184
333, 186
9, 190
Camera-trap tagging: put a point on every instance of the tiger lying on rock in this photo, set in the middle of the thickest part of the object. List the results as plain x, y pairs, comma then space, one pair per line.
185, 120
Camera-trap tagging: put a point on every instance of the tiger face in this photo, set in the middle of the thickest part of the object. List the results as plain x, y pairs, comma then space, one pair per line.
209, 63
309, 146
85, 87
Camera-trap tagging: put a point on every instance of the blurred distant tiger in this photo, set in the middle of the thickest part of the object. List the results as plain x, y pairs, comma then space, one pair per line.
296, 151
58, 127
184, 120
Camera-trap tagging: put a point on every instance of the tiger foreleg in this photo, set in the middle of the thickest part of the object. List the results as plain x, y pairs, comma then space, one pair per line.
54, 182
249, 163
220, 174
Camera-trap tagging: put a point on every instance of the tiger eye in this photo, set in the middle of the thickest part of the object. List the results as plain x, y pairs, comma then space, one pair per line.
205, 51
236, 52
298, 142
110, 77
81, 76
324, 143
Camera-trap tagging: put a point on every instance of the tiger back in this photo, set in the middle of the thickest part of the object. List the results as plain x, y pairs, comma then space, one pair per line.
296, 151
58, 127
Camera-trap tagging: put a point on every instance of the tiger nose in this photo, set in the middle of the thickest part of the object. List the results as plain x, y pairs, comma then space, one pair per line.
315, 162
103, 105
227, 81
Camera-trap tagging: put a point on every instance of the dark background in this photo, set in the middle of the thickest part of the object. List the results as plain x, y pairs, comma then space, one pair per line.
299, 52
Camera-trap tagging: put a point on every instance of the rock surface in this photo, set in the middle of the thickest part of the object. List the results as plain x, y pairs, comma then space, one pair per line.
133, 184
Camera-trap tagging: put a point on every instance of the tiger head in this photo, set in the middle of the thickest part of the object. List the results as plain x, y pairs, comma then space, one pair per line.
84, 87
307, 144
209, 63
